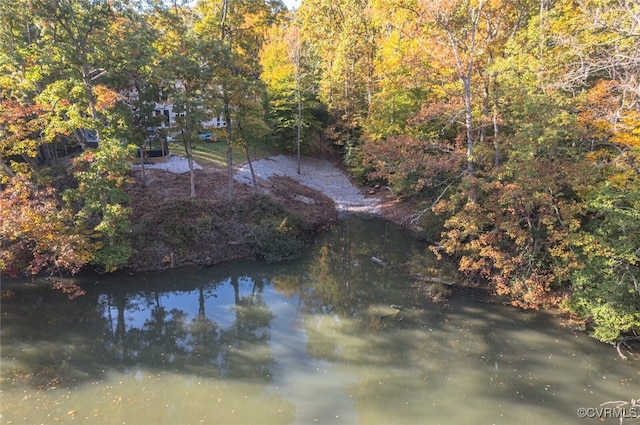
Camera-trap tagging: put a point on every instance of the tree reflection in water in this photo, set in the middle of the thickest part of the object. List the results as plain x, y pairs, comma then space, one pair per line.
312, 339
164, 330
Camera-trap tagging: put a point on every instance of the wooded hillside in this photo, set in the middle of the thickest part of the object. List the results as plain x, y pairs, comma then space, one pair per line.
515, 125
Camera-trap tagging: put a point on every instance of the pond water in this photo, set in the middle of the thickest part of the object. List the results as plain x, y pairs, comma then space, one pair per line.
312, 341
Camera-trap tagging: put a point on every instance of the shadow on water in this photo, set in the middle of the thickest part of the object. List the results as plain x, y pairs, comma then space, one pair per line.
334, 328
212, 322
160, 323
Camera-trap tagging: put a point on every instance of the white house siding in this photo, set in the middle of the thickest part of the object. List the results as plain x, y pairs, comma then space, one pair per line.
166, 109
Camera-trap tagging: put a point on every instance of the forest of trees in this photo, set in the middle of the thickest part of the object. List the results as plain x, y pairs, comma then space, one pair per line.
513, 125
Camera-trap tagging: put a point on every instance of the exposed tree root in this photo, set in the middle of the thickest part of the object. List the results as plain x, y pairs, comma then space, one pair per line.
432, 279
624, 344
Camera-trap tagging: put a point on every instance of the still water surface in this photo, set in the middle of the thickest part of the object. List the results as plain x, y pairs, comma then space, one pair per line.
313, 341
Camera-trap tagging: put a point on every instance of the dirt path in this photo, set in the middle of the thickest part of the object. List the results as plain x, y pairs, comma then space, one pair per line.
317, 174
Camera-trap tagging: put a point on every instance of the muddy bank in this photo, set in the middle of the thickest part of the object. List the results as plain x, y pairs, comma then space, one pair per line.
171, 230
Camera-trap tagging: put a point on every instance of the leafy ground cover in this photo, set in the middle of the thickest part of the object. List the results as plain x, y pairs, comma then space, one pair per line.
171, 230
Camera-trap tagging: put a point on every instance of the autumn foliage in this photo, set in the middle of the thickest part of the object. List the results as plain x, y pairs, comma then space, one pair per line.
514, 125
37, 234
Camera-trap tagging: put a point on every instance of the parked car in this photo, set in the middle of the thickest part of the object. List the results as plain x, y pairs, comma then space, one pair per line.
90, 138
206, 137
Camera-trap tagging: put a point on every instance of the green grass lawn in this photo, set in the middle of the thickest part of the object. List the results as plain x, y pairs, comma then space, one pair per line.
215, 153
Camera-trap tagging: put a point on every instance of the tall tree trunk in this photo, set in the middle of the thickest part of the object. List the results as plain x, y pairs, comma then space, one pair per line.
188, 133
142, 169
468, 120
230, 171
192, 176
189, 151
227, 118
86, 79
226, 101
465, 67
295, 55
494, 119
299, 123
485, 111
253, 174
